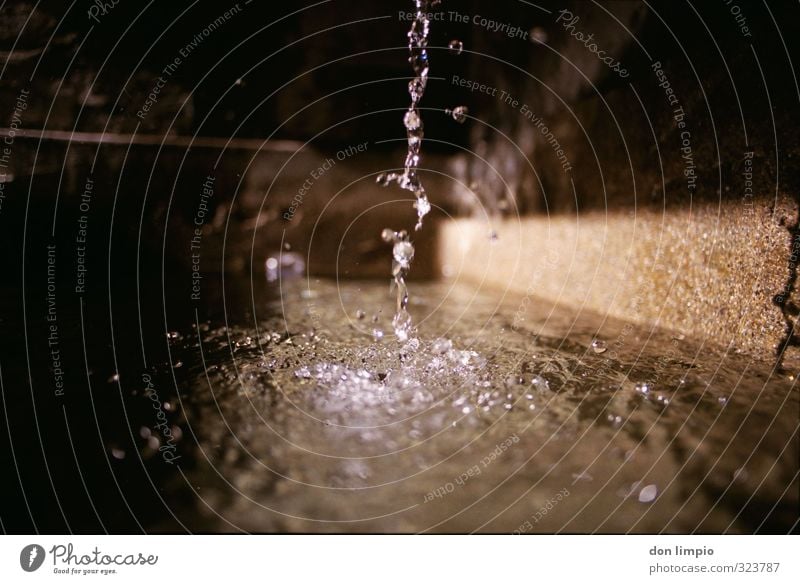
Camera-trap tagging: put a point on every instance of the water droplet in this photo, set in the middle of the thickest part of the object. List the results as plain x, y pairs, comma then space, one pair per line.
388, 235
459, 113
416, 87
412, 120
423, 206
377, 334
538, 35
114, 378
599, 346
403, 253
118, 453
648, 494
493, 236
456, 46
360, 314
402, 324
465, 410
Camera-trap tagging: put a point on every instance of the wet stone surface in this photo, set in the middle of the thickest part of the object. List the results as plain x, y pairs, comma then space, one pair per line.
497, 415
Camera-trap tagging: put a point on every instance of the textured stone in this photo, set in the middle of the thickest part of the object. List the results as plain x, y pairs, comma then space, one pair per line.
710, 272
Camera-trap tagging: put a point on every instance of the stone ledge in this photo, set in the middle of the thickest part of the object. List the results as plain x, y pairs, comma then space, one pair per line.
710, 272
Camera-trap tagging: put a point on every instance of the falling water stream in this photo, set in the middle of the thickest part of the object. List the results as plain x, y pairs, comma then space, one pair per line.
403, 249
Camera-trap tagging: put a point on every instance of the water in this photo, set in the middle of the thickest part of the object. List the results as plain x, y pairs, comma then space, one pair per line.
403, 249
402, 254
305, 423
458, 113
412, 120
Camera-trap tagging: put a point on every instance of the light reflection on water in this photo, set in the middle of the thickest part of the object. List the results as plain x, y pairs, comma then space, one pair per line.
305, 423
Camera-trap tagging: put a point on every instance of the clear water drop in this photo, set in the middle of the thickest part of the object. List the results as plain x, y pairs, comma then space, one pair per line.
423, 207
403, 253
456, 46
412, 120
402, 324
416, 88
599, 346
458, 113
648, 494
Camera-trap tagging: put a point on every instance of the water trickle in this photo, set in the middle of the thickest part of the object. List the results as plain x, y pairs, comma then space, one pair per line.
458, 113
403, 250
402, 254
419, 59
456, 46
